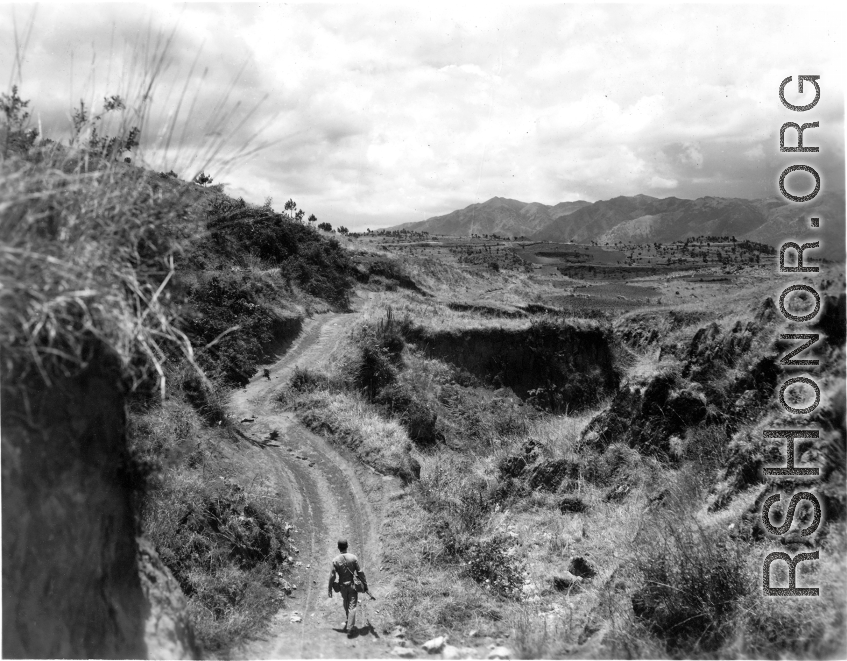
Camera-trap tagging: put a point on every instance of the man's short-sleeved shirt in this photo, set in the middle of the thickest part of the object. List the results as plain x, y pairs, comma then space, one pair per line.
344, 565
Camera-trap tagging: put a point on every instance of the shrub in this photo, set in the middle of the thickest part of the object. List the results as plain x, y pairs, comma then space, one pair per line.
375, 370
494, 564
219, 304
208, 397
419, 419
617, 466
380, 354
224, 548
747, 453
305, 380
16, 137
421, 423
202, 179
320, 266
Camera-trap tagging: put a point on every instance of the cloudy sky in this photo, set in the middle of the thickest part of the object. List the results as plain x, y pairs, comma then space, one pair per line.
375, 115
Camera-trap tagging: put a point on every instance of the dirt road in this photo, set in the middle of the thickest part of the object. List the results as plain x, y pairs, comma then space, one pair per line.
328, 495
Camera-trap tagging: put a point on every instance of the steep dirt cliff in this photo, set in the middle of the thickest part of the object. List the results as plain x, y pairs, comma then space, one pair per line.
70, 581
71, 585
559, 366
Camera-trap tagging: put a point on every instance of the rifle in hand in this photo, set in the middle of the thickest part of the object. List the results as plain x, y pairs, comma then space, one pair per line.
364, 580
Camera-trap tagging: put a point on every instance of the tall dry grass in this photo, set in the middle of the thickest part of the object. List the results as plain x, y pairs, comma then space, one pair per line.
88, 243
86, 258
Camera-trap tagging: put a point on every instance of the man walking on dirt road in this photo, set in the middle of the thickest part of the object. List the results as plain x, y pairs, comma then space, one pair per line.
346, 567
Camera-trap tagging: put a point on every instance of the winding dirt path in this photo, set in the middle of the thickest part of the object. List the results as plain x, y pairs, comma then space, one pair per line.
328, 495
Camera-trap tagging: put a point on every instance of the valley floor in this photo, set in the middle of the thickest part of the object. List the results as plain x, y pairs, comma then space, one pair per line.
524, 532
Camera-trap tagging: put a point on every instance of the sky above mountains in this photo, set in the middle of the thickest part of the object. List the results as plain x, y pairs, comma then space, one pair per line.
376, 116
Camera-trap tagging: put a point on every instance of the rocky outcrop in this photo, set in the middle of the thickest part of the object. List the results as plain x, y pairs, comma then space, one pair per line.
727, 377
833, 320
646, 418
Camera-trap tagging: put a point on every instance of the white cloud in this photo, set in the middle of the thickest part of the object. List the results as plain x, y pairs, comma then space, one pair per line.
662, 183
387, 114
691, 155
755, 153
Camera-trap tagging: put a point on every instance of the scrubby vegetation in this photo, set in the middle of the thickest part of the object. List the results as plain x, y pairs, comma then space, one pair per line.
225, 538
226, 544
628, 530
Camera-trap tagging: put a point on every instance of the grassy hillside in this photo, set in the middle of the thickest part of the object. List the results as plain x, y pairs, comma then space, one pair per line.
188, 291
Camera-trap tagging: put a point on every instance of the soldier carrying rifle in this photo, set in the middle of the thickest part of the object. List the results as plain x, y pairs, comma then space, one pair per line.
351, 581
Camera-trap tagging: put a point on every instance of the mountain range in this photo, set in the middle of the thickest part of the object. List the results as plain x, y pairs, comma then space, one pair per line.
646, 219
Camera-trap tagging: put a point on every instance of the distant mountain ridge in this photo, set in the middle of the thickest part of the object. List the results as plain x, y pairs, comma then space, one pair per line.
499, 215
646, 219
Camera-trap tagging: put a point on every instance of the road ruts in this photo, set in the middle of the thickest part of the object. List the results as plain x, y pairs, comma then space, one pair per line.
321, 487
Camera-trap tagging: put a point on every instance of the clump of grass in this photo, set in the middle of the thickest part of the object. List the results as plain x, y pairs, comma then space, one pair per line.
460, 497
459, 490
207, 395
305, 380
89, 243
798, 628
85, 261
439, 599
345, 417
375, 370
693, 582
379, 356
162, 436
535, 636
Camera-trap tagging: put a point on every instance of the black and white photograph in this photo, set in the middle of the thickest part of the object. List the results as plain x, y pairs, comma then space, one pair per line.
423, 330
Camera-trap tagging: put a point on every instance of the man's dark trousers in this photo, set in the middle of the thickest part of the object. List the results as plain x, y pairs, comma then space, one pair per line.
351, 601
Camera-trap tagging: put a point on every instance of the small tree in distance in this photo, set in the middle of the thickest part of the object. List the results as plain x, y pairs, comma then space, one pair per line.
15, 119
326, 227
290, 208
202, 179
343, 230
87, 125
